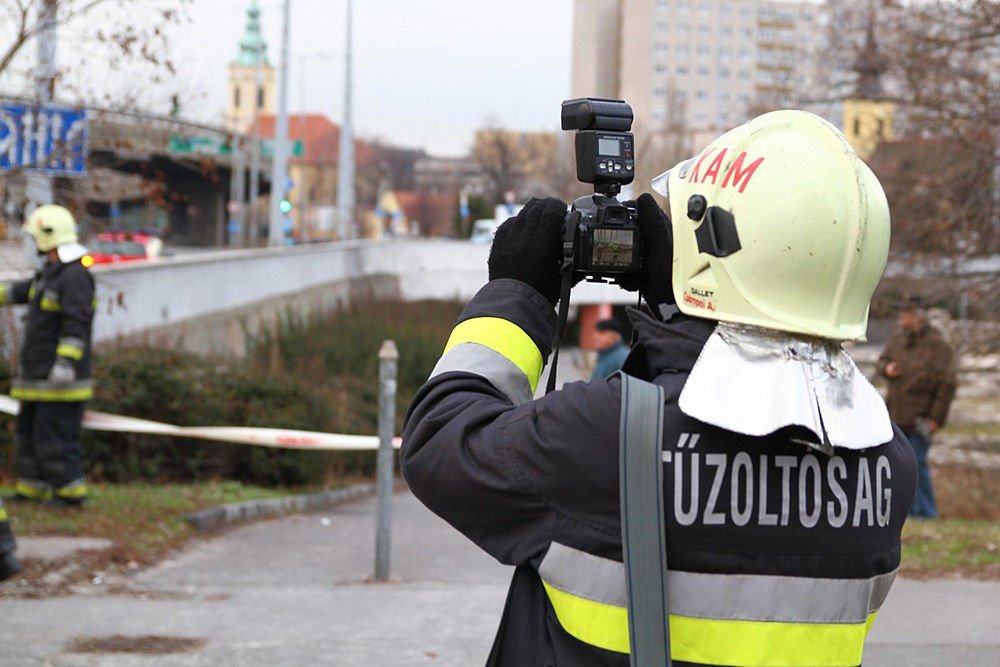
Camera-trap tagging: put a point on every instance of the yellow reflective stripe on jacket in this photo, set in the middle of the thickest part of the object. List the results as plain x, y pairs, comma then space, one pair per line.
52, 393
3, 514
761, 643
730, 619
5, 294
595, 623
718, 642
50, 302
504, 337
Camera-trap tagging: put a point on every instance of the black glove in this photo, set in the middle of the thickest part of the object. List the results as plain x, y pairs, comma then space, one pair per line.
655, 279
529, 247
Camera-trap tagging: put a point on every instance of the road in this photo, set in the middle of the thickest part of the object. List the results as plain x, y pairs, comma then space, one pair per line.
295, 591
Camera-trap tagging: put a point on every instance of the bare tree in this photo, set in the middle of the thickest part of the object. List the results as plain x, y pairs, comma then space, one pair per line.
519, 162
947, 57
97, 39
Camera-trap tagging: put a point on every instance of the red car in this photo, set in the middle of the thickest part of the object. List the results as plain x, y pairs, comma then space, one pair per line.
114, 247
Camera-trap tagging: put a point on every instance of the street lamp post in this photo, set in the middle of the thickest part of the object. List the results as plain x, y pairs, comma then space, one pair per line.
279, 168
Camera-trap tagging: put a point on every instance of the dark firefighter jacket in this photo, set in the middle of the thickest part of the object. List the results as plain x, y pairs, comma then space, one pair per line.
926, 385
60, 301
778, 554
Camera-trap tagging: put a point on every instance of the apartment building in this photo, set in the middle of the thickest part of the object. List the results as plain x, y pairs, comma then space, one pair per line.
697, 66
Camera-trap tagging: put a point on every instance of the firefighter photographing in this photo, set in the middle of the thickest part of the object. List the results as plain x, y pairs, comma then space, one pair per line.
784, 483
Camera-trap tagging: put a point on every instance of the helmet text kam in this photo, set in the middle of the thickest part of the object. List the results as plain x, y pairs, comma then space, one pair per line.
737, 173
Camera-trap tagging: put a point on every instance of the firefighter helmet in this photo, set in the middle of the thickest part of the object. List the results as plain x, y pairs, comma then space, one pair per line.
778, 224
51, 226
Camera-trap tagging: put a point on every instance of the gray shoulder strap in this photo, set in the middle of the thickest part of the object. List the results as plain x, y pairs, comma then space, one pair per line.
640, 466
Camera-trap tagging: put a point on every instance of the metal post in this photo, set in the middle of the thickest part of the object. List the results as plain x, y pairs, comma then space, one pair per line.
279, 168
963, 314
345, 166
387, 358
237, 191
38, 184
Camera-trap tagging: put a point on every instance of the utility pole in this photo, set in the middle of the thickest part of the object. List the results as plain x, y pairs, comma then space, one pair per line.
39, 184
279, 168
345, 168
252, 218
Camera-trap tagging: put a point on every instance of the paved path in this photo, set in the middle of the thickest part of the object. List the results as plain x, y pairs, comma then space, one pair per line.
292, 592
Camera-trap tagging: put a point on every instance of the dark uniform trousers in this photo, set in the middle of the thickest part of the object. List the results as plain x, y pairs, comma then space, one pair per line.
778, 554
48, 447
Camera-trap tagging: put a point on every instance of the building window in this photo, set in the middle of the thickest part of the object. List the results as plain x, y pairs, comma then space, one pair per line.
682, 69
260, 98
236, 97
857, 126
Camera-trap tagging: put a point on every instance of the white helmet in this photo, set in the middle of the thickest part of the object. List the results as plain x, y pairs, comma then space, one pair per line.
778, 224
51, 226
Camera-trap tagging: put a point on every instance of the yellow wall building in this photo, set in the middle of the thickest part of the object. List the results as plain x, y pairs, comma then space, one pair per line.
251, 77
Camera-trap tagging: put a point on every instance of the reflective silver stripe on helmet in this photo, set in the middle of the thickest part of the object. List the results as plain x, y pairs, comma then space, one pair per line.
744, 597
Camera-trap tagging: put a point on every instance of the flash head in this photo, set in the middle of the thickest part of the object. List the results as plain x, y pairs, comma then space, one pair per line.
595, 113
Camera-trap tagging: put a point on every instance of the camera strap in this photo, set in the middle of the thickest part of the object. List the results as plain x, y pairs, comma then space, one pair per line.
566, 270
644, 543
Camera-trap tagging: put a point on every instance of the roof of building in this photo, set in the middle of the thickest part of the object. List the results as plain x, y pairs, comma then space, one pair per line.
320, 138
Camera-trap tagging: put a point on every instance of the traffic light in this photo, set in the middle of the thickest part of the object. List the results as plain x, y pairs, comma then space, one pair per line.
285, 206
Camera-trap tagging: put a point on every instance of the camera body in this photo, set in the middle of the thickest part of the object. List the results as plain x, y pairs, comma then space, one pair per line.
601, 235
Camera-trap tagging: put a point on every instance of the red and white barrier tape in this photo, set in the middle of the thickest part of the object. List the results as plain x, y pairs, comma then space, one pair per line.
246, 435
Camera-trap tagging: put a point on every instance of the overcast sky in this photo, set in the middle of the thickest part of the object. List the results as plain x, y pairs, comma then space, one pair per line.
427, 73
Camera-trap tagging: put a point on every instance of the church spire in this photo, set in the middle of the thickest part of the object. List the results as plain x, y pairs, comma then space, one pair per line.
870, 65
253, 48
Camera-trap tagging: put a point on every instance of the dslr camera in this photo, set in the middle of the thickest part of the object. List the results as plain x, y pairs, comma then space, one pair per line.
600, 234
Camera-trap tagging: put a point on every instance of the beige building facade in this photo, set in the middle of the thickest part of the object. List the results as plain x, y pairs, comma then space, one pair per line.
694, 68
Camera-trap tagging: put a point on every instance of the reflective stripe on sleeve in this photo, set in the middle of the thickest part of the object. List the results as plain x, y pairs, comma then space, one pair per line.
720, 618
71, 348
6, 298
497, 350
490, 364
3, 514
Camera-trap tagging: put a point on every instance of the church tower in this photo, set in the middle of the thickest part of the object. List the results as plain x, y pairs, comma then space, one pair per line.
868, 113
251, 77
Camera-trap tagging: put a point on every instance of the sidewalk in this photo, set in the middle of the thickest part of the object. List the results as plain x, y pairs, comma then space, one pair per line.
293, 592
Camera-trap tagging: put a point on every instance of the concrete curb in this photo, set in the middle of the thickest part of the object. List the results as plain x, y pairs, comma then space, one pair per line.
251, 510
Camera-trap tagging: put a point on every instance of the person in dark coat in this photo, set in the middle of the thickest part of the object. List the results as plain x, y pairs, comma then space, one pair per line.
53, 379
919, 364
611, 351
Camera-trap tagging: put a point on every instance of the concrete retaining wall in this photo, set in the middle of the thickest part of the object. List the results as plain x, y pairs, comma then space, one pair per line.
210, 301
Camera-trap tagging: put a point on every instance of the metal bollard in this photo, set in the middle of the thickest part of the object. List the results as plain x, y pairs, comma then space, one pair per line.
387, 358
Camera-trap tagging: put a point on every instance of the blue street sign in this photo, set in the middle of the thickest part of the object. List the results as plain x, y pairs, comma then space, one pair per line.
49, 139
